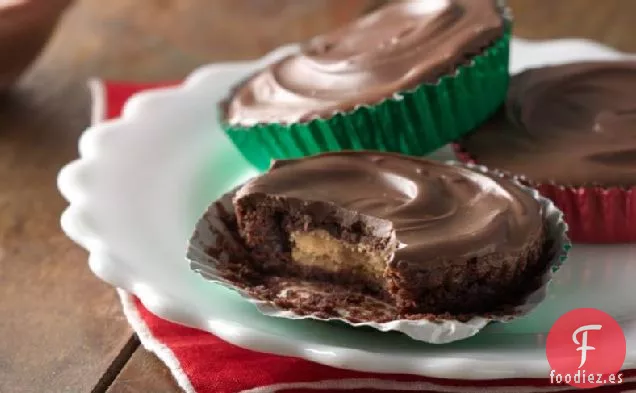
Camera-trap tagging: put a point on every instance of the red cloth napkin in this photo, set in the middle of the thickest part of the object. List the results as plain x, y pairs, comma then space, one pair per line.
203, 363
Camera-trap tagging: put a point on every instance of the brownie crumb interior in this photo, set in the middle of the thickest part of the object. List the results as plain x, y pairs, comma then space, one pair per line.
287, 238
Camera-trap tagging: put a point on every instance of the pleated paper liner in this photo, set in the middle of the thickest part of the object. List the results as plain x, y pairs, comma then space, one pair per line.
414, 122
217, 253
594, 214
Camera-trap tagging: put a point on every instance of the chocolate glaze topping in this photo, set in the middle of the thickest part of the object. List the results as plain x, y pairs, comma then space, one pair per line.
571, 124
393, 49
438, 211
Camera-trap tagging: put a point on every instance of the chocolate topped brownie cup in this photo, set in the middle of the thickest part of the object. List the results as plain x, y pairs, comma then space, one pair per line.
571, 131
396, 48
432, 237
407, 78
571, 124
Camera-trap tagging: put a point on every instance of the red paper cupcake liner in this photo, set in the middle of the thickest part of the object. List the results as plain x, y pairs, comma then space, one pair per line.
595, 215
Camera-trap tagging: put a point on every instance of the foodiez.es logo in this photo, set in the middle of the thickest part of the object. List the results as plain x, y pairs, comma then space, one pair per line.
586, 348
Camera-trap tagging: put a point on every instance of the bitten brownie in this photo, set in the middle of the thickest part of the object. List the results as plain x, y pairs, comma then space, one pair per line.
431, 237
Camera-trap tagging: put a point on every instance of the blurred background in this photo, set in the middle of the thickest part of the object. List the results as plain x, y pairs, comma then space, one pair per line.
164, 39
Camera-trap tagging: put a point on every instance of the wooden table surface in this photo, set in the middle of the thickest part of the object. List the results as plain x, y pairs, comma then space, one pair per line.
62, 329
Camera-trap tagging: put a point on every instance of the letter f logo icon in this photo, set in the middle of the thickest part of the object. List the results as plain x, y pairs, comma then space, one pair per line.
583, 343
597, 353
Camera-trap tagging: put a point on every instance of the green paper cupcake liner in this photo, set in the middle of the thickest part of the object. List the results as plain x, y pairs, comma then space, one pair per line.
414, 122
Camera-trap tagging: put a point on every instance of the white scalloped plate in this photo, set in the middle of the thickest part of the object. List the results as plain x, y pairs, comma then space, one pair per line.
143, 180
